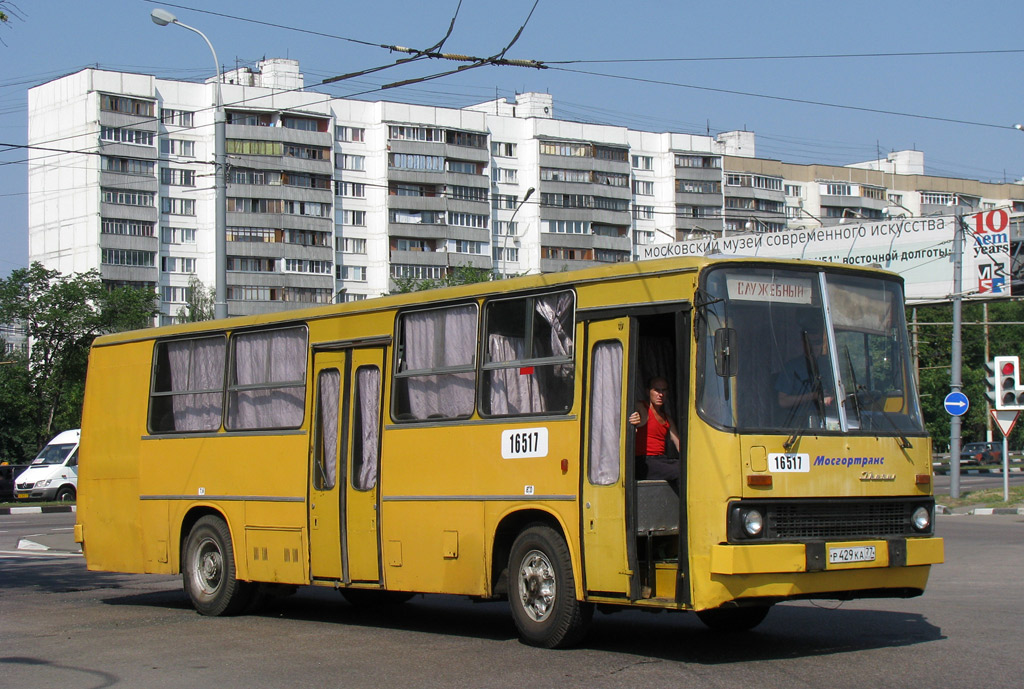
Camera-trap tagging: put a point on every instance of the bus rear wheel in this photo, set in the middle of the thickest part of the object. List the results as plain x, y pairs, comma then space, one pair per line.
542, 593
729, 620
208, 570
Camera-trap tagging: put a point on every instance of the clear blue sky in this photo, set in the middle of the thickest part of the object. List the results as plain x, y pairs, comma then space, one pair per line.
58, 37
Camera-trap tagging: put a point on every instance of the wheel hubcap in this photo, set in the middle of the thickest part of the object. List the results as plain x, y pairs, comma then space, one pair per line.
209, 566
537, 585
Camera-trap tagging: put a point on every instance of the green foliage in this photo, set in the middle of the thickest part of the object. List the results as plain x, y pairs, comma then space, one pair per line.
935, 352
456, 275
199, 301
62, 314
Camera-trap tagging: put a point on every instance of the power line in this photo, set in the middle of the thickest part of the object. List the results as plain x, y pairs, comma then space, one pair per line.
821, 56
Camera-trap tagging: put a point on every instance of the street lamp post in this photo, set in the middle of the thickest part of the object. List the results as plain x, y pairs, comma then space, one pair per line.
220, 304
526, 197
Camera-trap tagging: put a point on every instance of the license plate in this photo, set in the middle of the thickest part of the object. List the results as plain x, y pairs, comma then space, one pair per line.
861, 553
22, 496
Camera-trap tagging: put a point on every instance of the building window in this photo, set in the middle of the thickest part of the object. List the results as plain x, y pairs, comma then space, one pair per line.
415, 272
128, 257
305, 124
346, 161
312, 209
123, 135
643, 188
250, 264
876, 193
179, 118
686, 160
643, 212
559, 148
460, 193
462, 246
836, 189
178, 264
128, 166
131, 228
408, 133
353, 273
548, 174
412, 161
302, 265
351, 245
465, 167
505, 175
248, 119
178, 147
642, 162
306, 152
171, 206
694, 186
124, 197
794, 190
357, 218
936, 198
353, 190
467, 219
506, 254
502, 149
565, 226
178, 235
253, 234
467, 139
176, 177
505, 201
127, 106
505, 228
254, 148
350, 134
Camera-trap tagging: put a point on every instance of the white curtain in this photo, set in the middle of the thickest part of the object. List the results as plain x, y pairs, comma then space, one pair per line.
368, 429
329, 394
605, 413
196, 365
512, 391
276, 361
436, 339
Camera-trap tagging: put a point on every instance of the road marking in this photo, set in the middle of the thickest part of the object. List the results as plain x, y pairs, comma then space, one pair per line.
15, 554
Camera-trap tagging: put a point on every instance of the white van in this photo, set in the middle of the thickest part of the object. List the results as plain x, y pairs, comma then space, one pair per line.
53, 474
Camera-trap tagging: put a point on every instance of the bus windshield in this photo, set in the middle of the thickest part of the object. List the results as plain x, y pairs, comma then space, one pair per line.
790, 351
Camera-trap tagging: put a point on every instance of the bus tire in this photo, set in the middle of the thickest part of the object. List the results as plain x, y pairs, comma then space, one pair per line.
65, 494
731, 620
542, 592
208, 570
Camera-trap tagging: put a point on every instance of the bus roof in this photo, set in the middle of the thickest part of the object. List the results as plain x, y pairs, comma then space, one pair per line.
480, 289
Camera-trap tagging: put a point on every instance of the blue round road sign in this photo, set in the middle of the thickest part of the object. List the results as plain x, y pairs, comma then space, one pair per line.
956, 403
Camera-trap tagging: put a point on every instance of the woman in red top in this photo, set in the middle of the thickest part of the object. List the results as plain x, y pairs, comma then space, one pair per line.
653, 428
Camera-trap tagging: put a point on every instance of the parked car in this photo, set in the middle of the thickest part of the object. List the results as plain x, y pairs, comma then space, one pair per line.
981, 453
53, 474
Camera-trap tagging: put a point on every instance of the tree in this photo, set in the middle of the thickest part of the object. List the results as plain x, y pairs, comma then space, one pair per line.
199, 301
62, 314
456, 275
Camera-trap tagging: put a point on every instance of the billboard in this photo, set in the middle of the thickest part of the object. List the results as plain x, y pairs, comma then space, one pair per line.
919, 249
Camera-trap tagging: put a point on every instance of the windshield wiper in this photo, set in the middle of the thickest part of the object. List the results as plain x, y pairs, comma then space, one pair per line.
816, 387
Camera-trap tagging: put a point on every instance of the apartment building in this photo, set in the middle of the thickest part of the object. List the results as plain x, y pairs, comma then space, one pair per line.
332, 200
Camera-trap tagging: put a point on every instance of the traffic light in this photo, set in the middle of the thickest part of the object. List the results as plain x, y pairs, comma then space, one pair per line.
1009, 394
991, 383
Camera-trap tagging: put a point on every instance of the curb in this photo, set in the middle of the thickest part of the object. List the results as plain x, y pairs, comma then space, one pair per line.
969, 472
942, 509
38, 510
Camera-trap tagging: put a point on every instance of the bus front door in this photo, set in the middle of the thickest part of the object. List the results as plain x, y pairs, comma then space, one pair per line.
344, 456
606, 558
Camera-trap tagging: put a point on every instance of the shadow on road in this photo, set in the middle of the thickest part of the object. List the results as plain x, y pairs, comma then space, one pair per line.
790, 631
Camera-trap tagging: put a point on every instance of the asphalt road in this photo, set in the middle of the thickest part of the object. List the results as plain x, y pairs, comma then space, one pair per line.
62, 626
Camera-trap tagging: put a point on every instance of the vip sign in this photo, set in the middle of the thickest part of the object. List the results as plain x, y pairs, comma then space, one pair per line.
990, 240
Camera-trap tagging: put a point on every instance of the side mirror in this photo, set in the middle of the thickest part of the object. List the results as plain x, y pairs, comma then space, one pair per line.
725, 357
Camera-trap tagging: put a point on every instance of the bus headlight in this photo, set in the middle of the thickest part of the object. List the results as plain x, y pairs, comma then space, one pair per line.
753, 522
921, 519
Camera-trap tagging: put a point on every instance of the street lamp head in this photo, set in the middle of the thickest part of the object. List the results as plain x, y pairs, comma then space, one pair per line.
529, 193
162, 17
1019, 126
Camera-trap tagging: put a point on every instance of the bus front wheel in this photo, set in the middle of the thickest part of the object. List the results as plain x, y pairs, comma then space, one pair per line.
734, 619
208, 570
542, 593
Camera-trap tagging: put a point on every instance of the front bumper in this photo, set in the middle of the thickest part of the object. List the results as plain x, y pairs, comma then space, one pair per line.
813, 557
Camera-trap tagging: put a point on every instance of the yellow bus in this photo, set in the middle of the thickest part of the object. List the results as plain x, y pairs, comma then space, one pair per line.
477, 441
